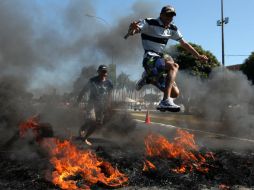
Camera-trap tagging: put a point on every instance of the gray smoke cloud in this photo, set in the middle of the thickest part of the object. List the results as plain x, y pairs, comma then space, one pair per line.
126, 51
225, 101
15, 106
47, 49
43, 48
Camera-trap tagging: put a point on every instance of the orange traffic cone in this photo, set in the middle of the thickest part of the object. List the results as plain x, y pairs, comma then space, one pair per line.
148, 120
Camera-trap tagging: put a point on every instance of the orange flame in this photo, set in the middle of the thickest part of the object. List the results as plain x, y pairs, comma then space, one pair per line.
148, 166
31, 123
70, 162
223, 187
182, 148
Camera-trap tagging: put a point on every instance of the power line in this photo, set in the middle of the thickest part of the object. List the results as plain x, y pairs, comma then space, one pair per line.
235, 55
94, 16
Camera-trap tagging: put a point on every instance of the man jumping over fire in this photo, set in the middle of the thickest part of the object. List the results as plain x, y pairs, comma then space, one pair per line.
99, 89
160, 69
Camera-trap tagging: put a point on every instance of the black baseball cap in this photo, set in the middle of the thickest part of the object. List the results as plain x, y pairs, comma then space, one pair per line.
168, 10
102, 68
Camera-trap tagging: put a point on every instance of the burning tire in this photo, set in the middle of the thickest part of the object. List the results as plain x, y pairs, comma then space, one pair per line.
120, 123
45, 131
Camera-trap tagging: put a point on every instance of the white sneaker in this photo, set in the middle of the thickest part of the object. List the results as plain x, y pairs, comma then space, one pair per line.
168, 104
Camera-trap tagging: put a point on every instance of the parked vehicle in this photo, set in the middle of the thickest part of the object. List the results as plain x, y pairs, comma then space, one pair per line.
137, 107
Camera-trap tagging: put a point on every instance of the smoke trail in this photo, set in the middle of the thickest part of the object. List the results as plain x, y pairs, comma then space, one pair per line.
15, 105
126, 51
50, 45
226, 97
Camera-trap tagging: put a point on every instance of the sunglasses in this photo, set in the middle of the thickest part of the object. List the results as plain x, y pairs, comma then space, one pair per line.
103, 71
169, 15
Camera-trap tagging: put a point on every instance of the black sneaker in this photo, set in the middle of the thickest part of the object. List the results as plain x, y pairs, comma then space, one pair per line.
141, 82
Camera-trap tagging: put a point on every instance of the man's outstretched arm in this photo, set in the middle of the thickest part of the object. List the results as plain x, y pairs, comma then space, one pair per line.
133, 29
192, 50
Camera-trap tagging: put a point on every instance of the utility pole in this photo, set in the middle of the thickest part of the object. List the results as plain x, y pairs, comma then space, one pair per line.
221, 23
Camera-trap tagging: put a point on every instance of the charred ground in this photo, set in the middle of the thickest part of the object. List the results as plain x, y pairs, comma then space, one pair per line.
230, 169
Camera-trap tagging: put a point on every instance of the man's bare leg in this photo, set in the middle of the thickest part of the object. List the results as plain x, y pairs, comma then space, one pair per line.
89, 132
99, 115
171, 76
171, 89
88, 143
175, 91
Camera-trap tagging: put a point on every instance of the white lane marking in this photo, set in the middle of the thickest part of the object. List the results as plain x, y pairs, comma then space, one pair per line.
200, 131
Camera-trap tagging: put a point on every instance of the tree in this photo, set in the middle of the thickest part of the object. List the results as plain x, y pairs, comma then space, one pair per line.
122, 81
130, 87
112, 73
248, 67
189, 63
112, 77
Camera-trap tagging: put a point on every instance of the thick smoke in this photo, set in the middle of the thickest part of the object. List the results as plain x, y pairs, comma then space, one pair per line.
15, 105
47, 49
225, 101
42, 52
126, 51
17, 55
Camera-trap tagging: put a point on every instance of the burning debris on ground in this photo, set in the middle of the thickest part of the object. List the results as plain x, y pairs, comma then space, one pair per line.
229, 168
41, 59
158, 163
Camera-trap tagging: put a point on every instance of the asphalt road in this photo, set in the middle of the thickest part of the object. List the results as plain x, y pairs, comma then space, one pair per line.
212, 140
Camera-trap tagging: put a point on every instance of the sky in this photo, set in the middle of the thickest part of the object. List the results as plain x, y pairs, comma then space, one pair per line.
197, 19
46, 43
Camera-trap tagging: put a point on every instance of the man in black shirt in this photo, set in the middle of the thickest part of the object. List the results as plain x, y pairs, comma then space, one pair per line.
99, 89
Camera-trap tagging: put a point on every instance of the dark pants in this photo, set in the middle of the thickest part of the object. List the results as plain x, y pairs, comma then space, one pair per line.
91, 124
